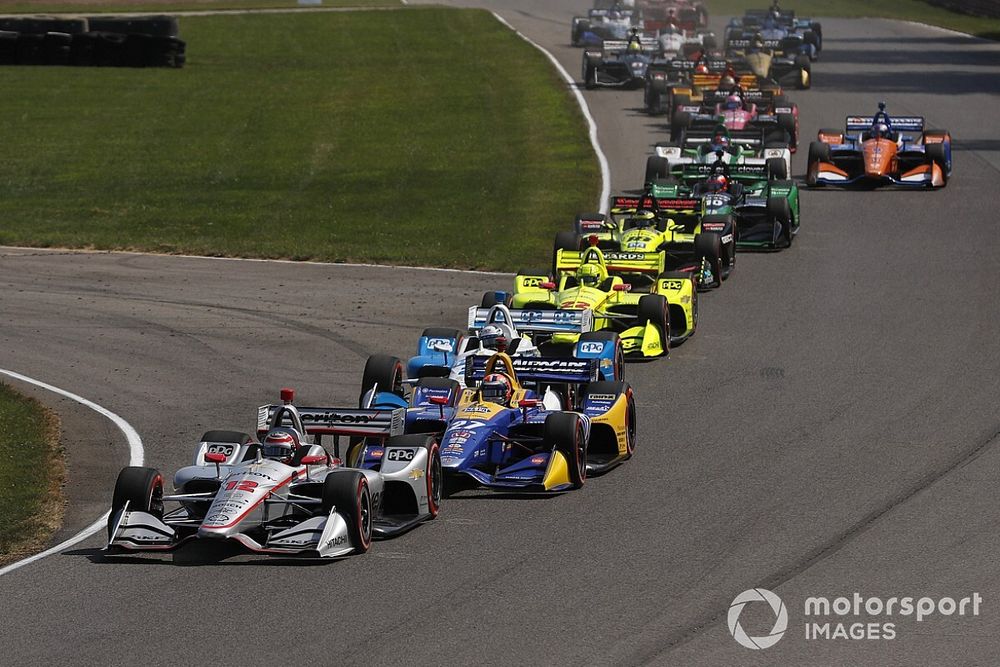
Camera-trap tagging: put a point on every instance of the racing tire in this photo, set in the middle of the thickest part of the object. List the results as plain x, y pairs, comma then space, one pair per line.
565, 431
587, 217
709, 42
777, 169
141, 488
708, 247
680, 100
679, 124
818, 152
780, 211
657, 168
490, 299
589, 77
805, 73
655, 308
618, 368
786, 122
349, 493
383, 370
936, 154
564, 241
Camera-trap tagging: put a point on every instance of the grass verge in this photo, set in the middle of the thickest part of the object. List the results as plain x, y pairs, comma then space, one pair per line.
420, 136
31, 475
904, 10
99, 6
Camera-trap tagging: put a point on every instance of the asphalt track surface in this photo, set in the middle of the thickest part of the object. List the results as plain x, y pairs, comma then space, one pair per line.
832, 427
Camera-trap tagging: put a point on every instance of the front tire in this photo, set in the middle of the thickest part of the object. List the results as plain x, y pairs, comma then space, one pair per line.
141, 489
386, 372
655, 309
348, 493
565, 431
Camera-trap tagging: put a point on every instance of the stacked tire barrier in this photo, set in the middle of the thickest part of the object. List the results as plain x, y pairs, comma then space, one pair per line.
97, 41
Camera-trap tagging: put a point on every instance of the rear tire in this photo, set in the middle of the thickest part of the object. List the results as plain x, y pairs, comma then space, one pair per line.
490, 299
777, 169
656, 168
563, 241
935, 152
818, 152
679, 124
779, 210
142, 489
385, 371
565, 431
348, 492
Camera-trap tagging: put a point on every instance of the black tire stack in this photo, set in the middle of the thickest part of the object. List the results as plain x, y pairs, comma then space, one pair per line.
96, 41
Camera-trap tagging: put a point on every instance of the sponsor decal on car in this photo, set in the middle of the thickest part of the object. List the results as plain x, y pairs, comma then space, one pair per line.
401, 454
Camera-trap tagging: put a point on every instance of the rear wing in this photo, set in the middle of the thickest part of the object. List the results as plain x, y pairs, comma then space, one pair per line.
756, 96
538, 369
742, 43
697, 136
539, 321
715, 65
629, 204
898, 123
649, 45
339, 421
615, 261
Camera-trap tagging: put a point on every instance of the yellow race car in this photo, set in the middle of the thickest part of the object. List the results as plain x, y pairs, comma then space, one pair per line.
646, 322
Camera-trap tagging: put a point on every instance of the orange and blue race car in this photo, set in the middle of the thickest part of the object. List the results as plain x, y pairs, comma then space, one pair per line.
881, 150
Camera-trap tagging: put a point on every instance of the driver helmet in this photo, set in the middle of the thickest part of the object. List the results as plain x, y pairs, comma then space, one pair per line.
589, 275
634, 45
734, 102
758, 41
727, 82
717, 183
719, 142
492, 338
280, 444
496, 388
642, 219
880, 129
701, 68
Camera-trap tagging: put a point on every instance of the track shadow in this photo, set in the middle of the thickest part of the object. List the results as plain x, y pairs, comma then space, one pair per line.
952, 82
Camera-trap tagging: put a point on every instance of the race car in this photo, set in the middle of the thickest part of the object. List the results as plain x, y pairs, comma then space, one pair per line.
685, 81
493, 328
658, 15
702, 146
775, 23
612, 22
504, 438
879, 150
620, 64
642, 321
780, 60
674, 41
740, 110
285, 494
763, 211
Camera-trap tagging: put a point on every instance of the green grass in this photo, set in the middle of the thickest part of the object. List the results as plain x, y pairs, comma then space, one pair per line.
422, 136
90, 6
31, 472
906, 10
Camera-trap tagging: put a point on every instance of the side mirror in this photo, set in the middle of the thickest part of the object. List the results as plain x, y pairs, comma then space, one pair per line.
314, 459
215, 457
547, 285
439, 400
622, 287
528, 403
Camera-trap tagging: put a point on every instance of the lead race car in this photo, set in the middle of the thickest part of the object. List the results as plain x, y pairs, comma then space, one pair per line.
286, 494
881, 150
504, 437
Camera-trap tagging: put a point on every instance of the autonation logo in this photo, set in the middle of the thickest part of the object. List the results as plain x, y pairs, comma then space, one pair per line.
876, 617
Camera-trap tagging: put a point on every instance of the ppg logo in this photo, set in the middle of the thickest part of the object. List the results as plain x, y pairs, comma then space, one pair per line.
401, 454
591, 348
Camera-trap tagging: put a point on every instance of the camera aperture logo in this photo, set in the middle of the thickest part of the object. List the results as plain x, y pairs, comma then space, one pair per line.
780, 620
857, 617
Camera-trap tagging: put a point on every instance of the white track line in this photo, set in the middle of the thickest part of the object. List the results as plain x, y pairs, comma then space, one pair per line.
602, 203
136, 455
